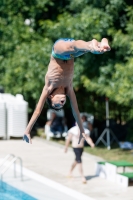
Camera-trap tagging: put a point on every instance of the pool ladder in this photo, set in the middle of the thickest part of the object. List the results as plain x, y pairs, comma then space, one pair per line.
7, 163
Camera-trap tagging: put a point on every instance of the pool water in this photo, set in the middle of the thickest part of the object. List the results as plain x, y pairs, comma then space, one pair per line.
7, 192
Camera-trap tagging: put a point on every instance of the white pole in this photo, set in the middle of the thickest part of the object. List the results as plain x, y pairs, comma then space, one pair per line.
107, 112
107, 123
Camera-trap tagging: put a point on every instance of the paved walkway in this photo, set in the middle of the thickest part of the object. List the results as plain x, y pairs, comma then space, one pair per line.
48, 159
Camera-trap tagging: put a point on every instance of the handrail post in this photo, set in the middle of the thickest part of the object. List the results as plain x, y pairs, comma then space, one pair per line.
13, 161
21, 169
1, 178
15, 169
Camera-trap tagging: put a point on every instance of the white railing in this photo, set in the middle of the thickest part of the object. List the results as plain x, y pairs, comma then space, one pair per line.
7, 163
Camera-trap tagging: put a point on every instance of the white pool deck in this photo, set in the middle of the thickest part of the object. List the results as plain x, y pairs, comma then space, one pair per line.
41, 188
45, 173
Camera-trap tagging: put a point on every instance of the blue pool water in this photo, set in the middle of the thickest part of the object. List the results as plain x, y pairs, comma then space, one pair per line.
7, 192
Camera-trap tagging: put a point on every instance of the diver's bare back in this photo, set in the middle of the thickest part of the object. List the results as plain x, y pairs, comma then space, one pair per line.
60, 73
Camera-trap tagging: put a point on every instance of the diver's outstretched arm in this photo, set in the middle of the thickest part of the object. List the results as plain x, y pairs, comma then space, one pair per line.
35, 115
75, 111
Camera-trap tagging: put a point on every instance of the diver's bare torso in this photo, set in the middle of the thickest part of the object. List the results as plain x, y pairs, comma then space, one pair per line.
60, 73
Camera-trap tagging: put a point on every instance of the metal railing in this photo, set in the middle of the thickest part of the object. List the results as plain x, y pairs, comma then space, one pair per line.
7, 163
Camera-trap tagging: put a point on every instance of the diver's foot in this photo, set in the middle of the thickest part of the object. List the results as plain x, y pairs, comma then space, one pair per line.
69, 176
84, 181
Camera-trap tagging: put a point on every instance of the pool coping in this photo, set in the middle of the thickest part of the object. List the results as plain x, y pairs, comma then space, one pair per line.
53, 184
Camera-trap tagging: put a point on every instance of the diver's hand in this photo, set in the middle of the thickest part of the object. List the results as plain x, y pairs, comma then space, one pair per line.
27, 138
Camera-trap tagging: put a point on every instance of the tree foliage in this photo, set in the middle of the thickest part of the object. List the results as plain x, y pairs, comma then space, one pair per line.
29, 28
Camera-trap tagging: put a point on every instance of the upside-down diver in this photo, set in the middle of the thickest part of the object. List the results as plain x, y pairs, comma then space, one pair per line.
59, 79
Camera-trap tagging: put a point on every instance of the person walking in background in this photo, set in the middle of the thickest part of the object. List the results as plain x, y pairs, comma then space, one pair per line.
73, 135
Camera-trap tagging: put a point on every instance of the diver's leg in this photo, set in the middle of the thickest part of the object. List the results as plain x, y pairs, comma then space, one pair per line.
79, 154
72, 168
81, 172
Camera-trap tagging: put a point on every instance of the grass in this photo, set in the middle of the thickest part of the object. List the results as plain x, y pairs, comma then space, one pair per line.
115, 153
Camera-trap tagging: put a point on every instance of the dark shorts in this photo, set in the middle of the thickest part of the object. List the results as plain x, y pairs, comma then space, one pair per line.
78, 153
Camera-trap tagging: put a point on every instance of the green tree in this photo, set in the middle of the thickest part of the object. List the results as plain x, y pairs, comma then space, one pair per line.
29, 28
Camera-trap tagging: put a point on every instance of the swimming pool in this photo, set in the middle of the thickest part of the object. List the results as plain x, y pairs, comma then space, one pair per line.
7, 192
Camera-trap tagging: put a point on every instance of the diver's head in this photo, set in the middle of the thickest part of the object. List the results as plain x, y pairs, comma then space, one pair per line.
57, 99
